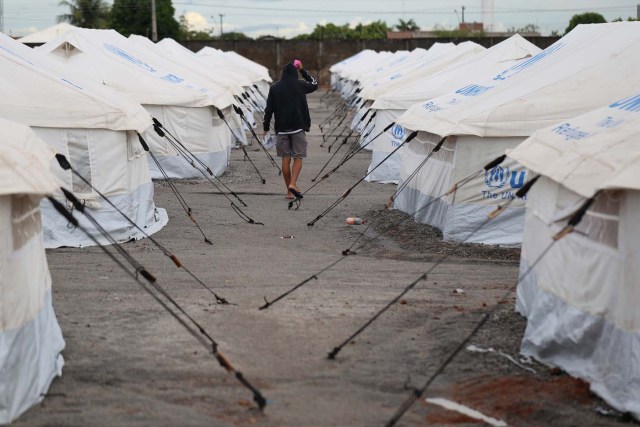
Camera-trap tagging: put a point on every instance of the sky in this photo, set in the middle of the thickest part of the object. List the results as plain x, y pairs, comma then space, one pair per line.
288, 18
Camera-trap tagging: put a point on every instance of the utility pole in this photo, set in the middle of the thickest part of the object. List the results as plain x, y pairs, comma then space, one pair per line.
154, 24
221, 30
463, 8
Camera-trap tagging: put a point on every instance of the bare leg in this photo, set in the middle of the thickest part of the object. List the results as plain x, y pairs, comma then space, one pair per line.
297, 167
286, 173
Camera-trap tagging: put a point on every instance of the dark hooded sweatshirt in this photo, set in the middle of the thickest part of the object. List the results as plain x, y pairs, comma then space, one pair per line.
287, 101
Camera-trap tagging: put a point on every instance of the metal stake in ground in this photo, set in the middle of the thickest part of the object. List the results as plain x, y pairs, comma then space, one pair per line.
253, 133
332, 355
419, 392
196, 330
346, 193
64, 164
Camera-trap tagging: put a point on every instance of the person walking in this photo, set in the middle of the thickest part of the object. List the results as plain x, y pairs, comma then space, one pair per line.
287, 102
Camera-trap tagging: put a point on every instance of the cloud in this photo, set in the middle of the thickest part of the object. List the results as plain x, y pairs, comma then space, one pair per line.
197, 22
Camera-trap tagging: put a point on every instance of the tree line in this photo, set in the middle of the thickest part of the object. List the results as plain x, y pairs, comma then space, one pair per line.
134, 17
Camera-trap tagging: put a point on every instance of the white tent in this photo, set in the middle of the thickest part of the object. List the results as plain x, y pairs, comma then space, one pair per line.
588, 67
184, 107
196, 73
438, 57
336, 68
445, 62
392, 103
581, 299
96, 131
48, 34
30, 337
255, 72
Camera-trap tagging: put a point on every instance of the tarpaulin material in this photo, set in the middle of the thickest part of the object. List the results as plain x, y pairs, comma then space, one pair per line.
30, 337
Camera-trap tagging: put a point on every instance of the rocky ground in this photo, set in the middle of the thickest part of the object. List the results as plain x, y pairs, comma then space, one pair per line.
130, 363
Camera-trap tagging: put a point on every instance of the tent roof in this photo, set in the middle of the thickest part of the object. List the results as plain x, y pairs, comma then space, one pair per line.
219, 71
36, 96
427, 65
592, 65
111, 59
595, 151
48, 34
196, 73
357, 57
252, 70
24, 161
425, 87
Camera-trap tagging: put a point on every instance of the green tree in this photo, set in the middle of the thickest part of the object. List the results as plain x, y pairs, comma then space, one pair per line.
409, 25
585, 18
85, 13
234, 35
629, 19
134, 17
374, 30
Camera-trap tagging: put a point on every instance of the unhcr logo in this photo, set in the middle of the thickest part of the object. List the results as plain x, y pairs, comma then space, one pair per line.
398, 131
499, 176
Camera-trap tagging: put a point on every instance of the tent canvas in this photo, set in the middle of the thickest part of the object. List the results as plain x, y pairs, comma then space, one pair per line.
482, 119
432, 81
31, 341
96, 131
106, 57
581, 299
48, 34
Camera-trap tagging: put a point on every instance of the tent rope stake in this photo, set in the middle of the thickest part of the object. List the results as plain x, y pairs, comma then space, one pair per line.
364, 116
349, 157
246, 218
335, 152
346, 193
337, 349
191, 325
414, 173
190, 157
350, 251
239, 111
418, 393
174, 189
64, 164
239, 143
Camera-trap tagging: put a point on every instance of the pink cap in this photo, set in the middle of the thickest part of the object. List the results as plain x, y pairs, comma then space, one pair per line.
297, 63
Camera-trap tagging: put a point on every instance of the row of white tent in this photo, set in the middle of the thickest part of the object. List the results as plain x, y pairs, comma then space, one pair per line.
570, 114
88, 94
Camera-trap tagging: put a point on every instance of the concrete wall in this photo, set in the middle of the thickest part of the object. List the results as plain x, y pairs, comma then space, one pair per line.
318, 56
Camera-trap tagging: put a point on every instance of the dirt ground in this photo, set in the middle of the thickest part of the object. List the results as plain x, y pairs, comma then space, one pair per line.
129, 363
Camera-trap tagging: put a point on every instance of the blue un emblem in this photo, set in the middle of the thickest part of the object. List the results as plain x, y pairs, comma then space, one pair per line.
497, 177
397, 131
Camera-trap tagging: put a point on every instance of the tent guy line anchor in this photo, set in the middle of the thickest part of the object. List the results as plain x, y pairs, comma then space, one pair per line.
348, 191
349, 251
239, 143
418, 393
64, 164
190, 157
195, 329
183, 203
238, 110
235, 208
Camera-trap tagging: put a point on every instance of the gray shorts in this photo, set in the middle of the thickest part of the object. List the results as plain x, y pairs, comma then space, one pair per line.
292, 145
